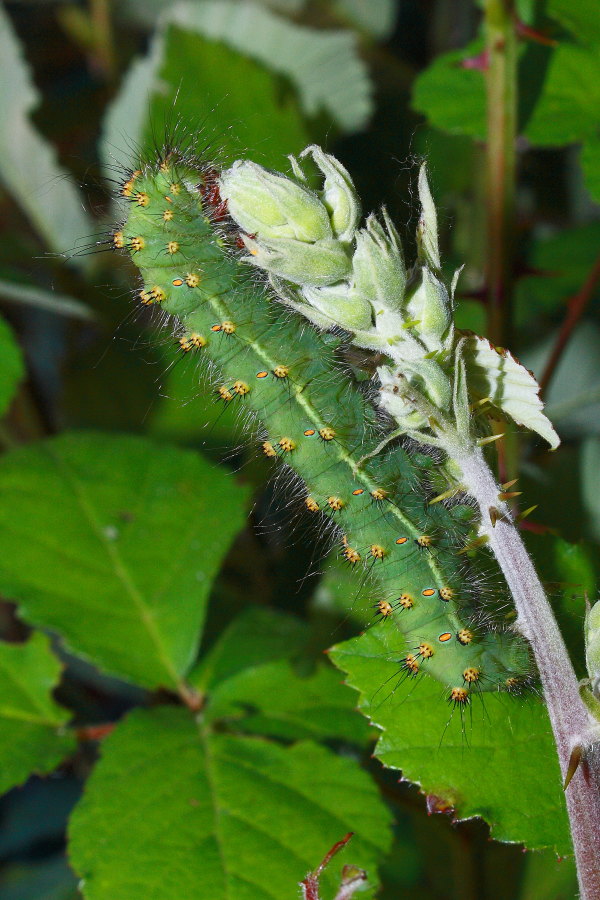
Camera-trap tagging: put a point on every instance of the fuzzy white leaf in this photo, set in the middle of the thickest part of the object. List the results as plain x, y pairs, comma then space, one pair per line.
511, 388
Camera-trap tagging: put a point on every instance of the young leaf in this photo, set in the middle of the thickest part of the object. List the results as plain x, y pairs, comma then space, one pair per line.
496, 759
33, 737
217, 816
512, 389
113, 542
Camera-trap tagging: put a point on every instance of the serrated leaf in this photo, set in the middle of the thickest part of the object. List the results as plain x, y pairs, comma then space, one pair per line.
217, 816
272, 699
28, 163
33, 736
12, 367
323, 65
496, 760
113, 542
511, 388
256, 635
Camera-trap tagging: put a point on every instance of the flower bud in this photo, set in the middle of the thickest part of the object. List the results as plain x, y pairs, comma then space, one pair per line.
340, 304
271, 205
338, 194
429, 305
378, 271
427, 231
323, 262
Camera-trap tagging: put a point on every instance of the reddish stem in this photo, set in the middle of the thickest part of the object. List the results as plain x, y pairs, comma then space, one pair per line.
576, 307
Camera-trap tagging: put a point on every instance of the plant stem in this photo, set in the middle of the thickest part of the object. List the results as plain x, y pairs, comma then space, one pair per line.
501, 88
568, 714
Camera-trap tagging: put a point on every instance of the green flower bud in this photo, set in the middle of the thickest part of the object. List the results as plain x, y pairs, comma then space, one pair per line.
378, 271
271, 205
340, 304
427, 231
430, 306
323, 262
338, 194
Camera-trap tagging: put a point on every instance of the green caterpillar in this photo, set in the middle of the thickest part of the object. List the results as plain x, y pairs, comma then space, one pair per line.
319, 421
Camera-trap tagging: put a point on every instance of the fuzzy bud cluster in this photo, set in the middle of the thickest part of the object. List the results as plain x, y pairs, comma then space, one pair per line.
334, 272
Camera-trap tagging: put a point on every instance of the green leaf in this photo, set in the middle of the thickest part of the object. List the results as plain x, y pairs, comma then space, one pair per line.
254, 636
113, 542
590, 482
217, 816
202, 81
567, 110
33, 737
272, 699
28, 164
496, 759
12, 367
590, 163
323, 65
573, 396
452, 96
581, 17
510, 387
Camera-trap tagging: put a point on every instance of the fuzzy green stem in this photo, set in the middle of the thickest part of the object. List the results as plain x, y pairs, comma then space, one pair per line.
501, 88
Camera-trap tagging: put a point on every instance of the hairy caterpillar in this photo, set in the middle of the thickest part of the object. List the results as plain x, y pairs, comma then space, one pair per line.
320, 423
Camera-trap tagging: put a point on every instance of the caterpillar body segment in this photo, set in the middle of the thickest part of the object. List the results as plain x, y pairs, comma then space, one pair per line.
320, 423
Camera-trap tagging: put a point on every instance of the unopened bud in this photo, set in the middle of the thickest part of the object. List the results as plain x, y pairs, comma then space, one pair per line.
340, 304
429, 306
592, 646
338, 194
272, 206
378, 270
323, 262
427, 229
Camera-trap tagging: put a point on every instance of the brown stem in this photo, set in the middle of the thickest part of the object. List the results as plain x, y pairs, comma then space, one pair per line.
576, 307
501, 90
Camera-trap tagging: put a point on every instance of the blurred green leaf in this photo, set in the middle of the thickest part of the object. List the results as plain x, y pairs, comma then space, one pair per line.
562, 264
452, 95
323, 65
582, 17
567, 572
33, 736
376, 17
568, 105
548, 877
590, 163
497, 760
28, 163
12, 367
222, 118
217, 816
48, 880
254, 636
272, 699
590, 481
573, 395
29, 295
113, 542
